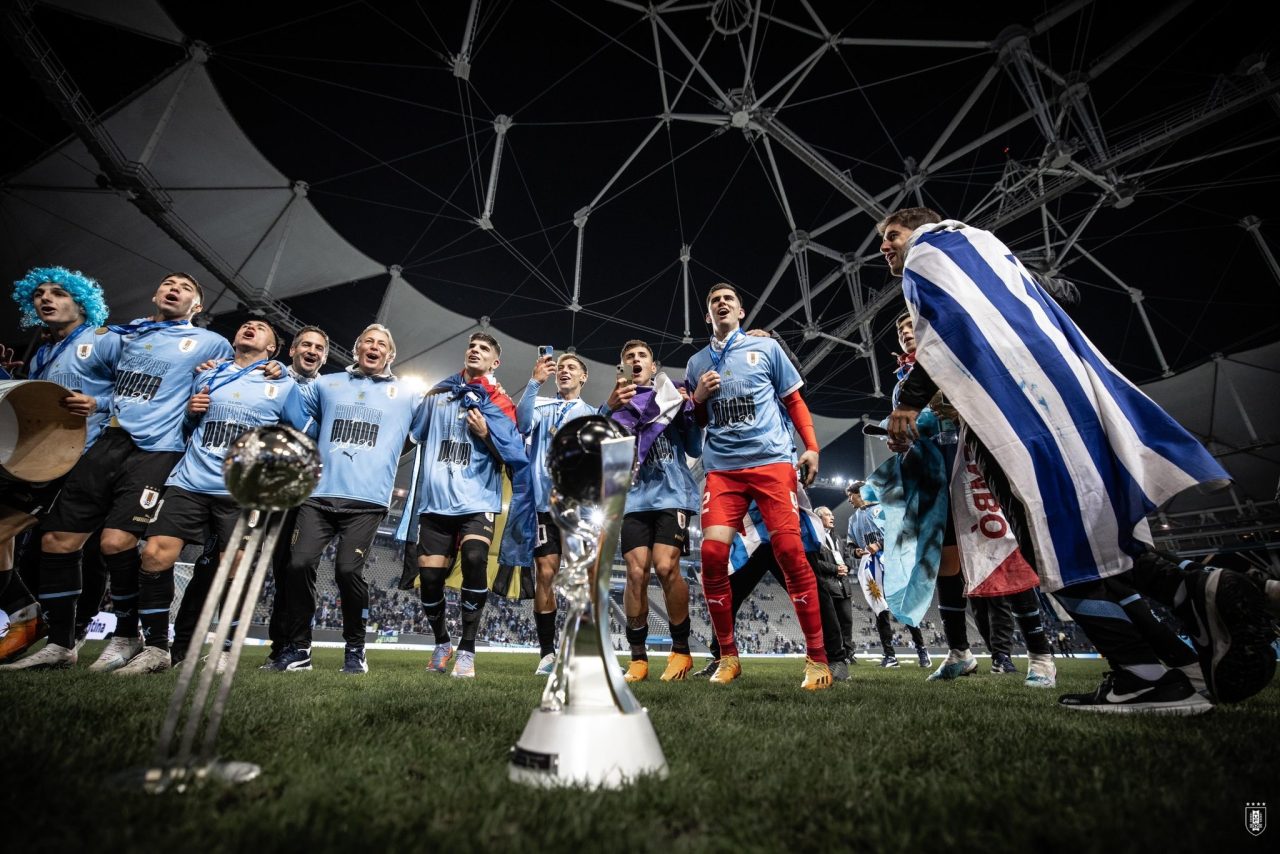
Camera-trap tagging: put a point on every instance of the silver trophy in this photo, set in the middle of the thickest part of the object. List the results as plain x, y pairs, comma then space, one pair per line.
267, 471
589, 729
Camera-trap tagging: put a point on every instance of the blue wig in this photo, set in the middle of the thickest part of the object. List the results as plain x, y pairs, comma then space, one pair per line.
86, 292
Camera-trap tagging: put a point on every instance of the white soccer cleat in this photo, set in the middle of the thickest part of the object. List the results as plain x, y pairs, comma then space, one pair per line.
546, 666
118, 653
1041, 672
49, 657
957, 664
152, 659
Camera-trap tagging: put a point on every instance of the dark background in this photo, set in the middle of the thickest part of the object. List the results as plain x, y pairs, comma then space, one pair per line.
358, 100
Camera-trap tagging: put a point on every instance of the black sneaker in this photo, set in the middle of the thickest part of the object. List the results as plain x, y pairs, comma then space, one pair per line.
710, 670
1001, 663
292, 658
890, 661
840, 671
1121, 692
1232, 630
353, 661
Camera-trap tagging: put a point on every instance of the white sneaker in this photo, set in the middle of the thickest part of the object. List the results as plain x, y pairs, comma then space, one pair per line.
546, 666
956, 665
464, 665
49, 657
152, 659
1041, 672
220, 663
117, 654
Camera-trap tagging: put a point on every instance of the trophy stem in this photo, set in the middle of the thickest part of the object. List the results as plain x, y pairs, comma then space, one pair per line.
234, 596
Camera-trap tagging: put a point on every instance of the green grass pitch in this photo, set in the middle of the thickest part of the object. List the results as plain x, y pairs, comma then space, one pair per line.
402, 760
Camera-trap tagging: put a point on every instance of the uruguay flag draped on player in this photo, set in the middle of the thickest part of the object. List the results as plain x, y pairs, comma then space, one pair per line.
1086, 452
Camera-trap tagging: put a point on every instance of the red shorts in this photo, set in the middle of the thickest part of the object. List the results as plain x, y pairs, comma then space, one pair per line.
772, 487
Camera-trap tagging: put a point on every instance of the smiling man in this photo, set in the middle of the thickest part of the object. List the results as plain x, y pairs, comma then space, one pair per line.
116, 486
1076, 456
307, 355
226, 402
538, 418
365, 414
69, 307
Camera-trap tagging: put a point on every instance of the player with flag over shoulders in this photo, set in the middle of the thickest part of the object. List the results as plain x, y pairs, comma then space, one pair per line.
116, 486
660, 503
467, 434
1077, 457
365, 414
741, 385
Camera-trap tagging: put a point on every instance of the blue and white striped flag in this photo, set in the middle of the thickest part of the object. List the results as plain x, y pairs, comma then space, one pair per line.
1087, 453
755, 534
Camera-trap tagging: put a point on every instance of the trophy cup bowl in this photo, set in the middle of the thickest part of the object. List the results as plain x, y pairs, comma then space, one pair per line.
589, 729
271, 468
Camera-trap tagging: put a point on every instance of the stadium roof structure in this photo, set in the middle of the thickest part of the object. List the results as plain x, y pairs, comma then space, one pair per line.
580, 174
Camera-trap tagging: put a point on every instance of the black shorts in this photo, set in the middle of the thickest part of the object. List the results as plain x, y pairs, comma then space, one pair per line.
649, 528
440, 535
30, 498
115, 484
193, 516
548, 540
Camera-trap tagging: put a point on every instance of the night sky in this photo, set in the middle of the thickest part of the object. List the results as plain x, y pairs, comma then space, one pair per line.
358, 100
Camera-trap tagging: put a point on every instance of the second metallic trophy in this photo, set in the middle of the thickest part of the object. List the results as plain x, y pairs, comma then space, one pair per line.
589, 730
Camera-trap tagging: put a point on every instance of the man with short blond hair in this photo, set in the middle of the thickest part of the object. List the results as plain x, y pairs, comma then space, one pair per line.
365, 414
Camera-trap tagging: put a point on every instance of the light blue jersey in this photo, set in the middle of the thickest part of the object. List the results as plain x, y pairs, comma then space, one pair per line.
538, 419
460, 475
866, 526
237, 404
664, 481
153, 381
84, 362
364, 422
746, 427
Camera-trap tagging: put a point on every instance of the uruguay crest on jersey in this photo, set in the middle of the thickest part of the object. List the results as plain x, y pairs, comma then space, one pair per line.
84, 351
186, 345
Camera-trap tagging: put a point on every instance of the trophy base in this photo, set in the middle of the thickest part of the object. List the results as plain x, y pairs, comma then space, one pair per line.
153, 779
594, 748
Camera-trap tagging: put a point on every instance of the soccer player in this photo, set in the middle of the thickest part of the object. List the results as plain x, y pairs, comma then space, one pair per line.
116, 485
365, 415
741, 385
1076, 468
307, 355
539, 418
80, 356
226, 402
663, 497
468, 431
